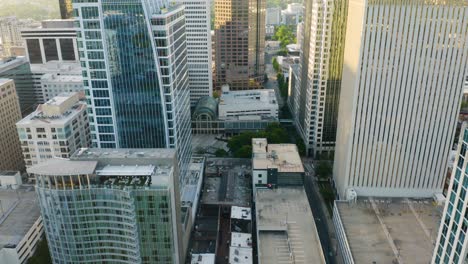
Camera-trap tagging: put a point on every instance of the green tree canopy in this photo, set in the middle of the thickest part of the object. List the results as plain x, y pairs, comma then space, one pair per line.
323, 169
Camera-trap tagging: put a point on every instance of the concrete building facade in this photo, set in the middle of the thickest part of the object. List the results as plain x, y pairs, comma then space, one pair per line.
240, 43
10, 150
199, 53
399, 106
56, 129
314, 98
55, 40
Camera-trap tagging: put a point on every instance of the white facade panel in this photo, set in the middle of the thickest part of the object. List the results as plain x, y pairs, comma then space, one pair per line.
400, 96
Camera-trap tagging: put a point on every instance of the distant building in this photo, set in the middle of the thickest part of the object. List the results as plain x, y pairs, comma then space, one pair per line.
54, 84
452, 244
386, 230
55, 40
257, 103
286, 63
286, 231
18, 69
269, 31
55, 77
21, 228
199, 53
396, 124
66, 9
292, 15
273, 16
131, 200
314, 98
56, 129
10, 36
240, 43
276, 164
10, 150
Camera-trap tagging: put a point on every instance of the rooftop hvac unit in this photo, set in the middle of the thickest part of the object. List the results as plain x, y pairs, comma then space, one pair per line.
236, 259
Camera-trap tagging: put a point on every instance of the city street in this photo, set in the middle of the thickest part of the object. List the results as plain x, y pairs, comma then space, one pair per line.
323, 223
272, 83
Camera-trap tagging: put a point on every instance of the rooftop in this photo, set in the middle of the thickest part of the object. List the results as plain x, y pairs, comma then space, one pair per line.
20, 211
286, 227
243, 240
55, 78
412, 226
5, 81
58, 110
227, 182
58, 68
246, 100
284, 157
11, 63
240, 255
243, 213
203, 259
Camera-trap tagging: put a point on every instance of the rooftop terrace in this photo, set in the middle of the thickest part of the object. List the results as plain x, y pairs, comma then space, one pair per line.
412, 227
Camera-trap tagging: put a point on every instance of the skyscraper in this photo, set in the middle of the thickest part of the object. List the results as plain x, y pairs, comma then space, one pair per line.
199, 54
240, 43
10, 36
111, 206
403, 76
66, 9
10, 150
451, 245
314, 98
134, 60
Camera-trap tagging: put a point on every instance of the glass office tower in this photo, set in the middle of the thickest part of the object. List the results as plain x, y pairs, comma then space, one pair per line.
111, 206
133, 55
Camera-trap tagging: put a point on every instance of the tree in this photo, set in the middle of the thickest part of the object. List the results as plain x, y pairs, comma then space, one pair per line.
323, 169
285, 35
41, 255
221, 153
276, 65
244, 152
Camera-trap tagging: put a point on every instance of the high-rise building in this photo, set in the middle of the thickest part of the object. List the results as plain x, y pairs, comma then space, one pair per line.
134, 60
403, 76
56, 129
10, 33
273, 16
18, 69
55, 40
112, 206
451, 245
240, 43
66, 9
10, 150
314, 99
199, 54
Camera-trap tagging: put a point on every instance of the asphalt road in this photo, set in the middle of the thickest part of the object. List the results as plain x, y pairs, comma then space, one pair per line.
272, 83
318, 210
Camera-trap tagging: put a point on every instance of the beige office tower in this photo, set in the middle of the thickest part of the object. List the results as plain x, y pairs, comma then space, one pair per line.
10, 150
240, 43
404, 67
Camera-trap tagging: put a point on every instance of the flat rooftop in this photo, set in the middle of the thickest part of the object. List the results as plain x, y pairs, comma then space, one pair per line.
243, 213
227, 182
203, 259
286, 227
4, 81
284, 157
20, 211
412, 225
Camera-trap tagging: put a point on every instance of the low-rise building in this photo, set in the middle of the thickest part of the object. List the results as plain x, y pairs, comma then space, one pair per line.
261, 102
205, 120
286, 231
10, 179
20, 225
56, 129
276, 164
53, 84
386, 230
